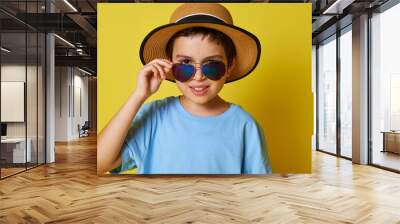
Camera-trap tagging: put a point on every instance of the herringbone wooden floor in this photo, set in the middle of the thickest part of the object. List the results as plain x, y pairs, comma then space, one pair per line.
70, 192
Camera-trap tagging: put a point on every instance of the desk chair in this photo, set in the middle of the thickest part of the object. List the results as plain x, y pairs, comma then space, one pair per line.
84, 130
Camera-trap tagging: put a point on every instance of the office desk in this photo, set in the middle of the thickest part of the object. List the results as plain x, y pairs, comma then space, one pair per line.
391, 141
13, 150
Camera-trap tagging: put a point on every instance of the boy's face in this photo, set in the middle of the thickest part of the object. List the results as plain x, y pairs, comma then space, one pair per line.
198, 50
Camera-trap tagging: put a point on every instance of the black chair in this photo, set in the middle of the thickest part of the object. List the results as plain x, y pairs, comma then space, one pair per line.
84, 130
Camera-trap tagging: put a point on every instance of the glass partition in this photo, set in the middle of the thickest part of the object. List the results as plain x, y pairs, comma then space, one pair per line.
327, 95
22, 77
14, 154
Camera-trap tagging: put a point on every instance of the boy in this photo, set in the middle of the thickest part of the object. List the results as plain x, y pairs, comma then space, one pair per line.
197, 132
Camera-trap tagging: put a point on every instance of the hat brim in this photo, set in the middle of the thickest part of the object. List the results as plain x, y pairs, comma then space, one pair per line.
248, 47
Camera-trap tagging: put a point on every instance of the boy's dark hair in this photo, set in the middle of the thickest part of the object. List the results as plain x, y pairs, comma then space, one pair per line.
214, 35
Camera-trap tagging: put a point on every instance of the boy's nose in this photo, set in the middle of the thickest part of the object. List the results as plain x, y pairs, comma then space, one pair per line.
198, 75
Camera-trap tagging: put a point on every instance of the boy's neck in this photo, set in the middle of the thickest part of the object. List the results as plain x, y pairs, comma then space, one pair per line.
213, 107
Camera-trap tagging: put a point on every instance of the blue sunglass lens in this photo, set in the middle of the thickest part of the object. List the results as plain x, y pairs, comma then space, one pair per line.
183, 72
213, 70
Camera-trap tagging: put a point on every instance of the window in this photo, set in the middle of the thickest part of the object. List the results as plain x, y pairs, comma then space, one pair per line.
327, 95
385, 88
346, 93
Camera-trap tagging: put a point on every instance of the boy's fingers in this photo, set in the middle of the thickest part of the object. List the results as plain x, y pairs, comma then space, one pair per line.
160, 69
147, 70
168, 61
162, 66
168, 65
155, 71
165, 71
164, 62
160, 63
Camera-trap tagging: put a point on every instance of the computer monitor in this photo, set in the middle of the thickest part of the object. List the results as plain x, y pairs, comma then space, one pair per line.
3, 129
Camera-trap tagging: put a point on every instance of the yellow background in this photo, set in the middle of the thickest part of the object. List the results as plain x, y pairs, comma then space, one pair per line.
277, 93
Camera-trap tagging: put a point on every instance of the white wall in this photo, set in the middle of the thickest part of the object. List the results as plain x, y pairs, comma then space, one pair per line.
12, 73
81, 84
61, 103
71, 93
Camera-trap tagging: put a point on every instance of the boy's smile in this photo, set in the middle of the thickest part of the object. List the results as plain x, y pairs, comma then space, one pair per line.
199, 90
197, 50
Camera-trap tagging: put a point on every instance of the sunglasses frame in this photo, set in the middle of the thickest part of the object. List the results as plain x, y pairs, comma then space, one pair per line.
200, 66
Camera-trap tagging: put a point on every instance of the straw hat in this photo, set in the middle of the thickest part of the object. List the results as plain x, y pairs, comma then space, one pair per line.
209, 15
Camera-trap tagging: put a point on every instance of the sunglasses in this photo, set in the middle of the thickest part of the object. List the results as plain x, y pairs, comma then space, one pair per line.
213, 70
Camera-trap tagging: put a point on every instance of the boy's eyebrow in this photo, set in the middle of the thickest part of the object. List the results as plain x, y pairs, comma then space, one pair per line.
182, 56
214, 56
206, 58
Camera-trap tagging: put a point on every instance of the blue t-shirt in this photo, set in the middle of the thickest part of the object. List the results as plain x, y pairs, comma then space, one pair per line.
164, 138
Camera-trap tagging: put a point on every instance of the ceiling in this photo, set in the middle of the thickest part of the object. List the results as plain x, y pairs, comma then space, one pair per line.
76, 22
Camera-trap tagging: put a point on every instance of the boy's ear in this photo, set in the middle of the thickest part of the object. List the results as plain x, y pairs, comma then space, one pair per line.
232, 66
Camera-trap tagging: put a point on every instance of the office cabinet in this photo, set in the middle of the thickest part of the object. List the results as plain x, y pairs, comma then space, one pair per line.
391, 142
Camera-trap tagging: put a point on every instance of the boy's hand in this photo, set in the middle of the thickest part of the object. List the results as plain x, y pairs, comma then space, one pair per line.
111, 138
150, 77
